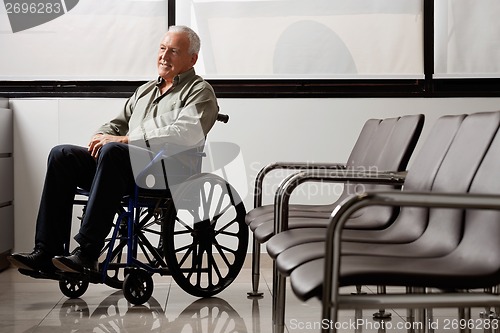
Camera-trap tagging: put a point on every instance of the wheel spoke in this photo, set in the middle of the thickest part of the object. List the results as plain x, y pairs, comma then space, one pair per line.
209, 201
219, 205
205, 203
186, 255
220, 249
185, 247
184, 224
216, 268
227, 225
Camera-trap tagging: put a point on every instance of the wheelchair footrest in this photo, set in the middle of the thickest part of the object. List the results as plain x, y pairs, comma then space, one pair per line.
89, 276
39, 274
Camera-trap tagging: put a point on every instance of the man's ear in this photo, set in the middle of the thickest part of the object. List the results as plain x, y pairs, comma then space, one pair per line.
194, 59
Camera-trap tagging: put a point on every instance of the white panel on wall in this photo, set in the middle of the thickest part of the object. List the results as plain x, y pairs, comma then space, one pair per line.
80, 118
6, 135
36, 127
6, 180
7, 234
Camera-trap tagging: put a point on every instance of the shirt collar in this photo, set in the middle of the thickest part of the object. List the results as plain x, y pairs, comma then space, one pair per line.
179, 78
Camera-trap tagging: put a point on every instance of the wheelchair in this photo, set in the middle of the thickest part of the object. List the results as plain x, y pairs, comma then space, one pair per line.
194, 231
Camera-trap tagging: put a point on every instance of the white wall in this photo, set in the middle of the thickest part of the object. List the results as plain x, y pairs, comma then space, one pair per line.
267, 130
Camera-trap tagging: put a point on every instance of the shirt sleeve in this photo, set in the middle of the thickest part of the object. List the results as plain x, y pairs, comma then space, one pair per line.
191, 123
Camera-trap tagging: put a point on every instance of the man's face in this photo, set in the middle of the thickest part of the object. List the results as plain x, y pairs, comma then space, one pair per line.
174, 57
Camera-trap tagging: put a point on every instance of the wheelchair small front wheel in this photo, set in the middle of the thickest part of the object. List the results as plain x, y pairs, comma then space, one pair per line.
206, 237
72, 287
138, 286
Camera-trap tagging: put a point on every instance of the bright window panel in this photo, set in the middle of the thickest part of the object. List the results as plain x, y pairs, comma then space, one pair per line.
307, 39
95, 40
467, 38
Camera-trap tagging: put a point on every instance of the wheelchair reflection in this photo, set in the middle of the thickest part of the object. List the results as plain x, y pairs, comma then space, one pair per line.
115, 314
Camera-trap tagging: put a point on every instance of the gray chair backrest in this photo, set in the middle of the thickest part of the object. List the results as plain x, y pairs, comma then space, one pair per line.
412, 221
480, 245
360, 148
397, 142
456, 174
446, 163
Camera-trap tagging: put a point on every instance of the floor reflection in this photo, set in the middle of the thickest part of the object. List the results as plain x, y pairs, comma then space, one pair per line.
115, 314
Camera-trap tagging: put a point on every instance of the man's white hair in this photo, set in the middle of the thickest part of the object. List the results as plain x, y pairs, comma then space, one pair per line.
194, 39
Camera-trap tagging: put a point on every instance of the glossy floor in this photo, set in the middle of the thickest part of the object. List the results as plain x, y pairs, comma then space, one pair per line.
33, 305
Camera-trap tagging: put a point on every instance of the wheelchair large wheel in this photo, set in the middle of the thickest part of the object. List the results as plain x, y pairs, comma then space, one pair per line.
206, 237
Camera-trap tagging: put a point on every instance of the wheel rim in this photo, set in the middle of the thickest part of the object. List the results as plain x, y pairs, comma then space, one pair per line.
138, 286
73, 288
206, 238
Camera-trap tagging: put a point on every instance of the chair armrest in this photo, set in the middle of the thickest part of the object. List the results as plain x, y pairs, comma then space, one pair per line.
341, 214
289, 184
259, 180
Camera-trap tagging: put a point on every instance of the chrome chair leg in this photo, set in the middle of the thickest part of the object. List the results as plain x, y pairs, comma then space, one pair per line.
420, 314
279, 297
464, 314
381, 314
359, 291
255, 271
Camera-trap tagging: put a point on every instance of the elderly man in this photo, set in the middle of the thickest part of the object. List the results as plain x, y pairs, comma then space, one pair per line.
179, 108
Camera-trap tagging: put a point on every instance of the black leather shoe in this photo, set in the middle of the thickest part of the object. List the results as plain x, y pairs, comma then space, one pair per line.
77, 262
38, 260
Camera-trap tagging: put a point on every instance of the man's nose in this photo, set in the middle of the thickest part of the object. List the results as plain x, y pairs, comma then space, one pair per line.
164, 55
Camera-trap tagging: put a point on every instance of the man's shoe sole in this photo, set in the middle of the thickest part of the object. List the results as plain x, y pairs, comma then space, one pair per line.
19, 264
67, 265
40, 274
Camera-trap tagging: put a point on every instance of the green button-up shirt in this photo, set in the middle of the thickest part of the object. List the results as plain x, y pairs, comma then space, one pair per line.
183, 115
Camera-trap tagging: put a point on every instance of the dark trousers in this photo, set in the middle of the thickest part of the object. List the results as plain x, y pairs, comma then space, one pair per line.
108, 179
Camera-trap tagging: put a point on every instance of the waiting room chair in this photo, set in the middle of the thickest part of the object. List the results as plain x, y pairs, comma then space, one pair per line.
470, 262
383, 144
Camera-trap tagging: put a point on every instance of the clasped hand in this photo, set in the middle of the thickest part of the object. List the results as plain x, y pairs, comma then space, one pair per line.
99, 140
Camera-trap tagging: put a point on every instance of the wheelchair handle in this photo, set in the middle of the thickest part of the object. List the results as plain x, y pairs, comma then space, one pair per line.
223, 118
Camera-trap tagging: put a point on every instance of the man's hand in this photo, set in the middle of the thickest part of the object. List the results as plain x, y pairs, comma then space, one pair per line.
100, 140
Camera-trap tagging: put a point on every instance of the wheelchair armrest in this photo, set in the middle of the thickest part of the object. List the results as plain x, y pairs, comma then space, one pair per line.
353, 203
163, 155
